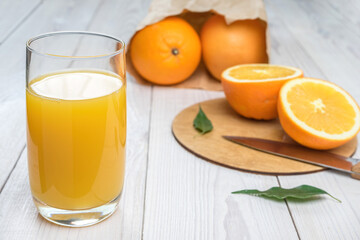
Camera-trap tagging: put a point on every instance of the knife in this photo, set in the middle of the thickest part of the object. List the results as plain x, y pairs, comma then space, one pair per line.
300, 153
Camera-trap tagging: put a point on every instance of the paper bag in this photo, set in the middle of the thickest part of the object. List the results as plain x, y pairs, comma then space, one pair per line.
196, 12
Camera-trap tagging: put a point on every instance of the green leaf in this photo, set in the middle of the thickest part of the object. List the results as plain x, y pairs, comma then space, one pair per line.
202, 123
300, 192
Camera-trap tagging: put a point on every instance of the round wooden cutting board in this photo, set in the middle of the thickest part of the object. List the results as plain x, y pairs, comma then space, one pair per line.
213, 147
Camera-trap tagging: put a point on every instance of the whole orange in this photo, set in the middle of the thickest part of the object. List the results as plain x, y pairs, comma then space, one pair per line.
224, 46
166, 52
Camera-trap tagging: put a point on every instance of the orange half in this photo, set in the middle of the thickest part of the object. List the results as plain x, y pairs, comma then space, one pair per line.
317, 113
252, 89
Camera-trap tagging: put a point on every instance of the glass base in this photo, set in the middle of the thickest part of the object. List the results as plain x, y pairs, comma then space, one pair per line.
77, 218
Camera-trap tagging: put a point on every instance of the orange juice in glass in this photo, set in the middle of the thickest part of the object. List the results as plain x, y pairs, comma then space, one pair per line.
76, 125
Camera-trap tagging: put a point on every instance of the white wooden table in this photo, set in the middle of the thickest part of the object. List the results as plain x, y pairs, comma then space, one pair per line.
169, 193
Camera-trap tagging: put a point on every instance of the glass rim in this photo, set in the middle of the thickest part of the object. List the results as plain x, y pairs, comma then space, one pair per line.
50, 34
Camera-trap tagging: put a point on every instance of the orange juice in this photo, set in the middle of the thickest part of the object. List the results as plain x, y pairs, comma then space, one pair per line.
76, 129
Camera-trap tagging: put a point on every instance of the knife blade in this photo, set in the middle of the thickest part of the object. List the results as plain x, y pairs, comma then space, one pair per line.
300, 153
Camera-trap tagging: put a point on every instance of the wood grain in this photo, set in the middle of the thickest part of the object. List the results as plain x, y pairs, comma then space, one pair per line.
320, 36
314, 218
188, 198
12, 84
325, 37
15, 199
213, 147
13, 13
12, 140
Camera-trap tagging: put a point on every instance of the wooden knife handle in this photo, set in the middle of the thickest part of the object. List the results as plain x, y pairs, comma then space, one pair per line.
356, 168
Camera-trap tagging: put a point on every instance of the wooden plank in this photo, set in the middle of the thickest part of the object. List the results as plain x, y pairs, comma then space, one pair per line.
332, 15
286, 50
13, 13
12, 77
189, 198
120, 18
316, 33
330, 44
16, 197
325, 218
126, 223
12, 138
348, 12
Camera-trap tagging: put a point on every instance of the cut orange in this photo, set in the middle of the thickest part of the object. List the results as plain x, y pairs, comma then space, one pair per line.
252, 89
318, 114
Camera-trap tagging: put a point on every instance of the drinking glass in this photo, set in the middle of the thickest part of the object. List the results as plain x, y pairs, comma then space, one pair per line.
76, 125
